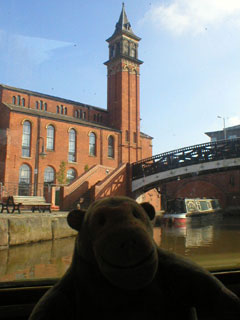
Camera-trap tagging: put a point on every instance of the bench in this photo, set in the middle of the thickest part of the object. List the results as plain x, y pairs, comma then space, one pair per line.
10, 203
35, 202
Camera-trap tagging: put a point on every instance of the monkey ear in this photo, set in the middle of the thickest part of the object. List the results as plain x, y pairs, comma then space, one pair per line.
75, 219
150, 210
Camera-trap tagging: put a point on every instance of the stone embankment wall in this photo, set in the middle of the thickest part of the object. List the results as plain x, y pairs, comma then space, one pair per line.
23, 228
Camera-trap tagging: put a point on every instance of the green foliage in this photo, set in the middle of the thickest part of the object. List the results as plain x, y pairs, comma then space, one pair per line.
61, 174
86, 167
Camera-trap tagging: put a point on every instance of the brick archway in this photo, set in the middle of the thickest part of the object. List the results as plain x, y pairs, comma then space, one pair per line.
200, 189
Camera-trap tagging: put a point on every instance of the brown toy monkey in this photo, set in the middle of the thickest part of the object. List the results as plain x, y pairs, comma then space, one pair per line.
119, 272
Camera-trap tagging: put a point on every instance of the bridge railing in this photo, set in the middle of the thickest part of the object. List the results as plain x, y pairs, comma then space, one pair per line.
197, 154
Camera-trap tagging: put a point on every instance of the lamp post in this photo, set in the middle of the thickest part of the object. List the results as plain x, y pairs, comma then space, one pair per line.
41, 154
224, 127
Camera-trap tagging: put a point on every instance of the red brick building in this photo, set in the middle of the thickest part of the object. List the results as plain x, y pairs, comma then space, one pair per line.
39, 131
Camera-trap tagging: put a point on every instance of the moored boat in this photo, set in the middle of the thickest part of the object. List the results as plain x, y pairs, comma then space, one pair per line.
178, 210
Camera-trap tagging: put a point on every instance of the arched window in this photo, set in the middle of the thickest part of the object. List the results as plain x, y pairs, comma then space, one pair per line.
14, 100
24, 180
23, 102
80, 116
45, 106
110, 147
26, 139
71, 175
61, 109
135, 137
126, 135
50, 137
58, 109
41, 104
95, 117
36, 105
18, 100
76, 113
72, 146
49, 175
25, 174
92, 144
65, 110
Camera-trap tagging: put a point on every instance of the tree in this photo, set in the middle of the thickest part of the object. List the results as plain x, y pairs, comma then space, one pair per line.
61, 174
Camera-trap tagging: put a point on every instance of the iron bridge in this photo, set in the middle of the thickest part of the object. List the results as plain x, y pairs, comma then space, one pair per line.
197, 159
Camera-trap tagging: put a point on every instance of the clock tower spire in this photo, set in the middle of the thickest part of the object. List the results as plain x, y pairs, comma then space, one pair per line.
123, 87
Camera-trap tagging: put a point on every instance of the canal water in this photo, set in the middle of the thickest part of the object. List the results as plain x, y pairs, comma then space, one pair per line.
211, 241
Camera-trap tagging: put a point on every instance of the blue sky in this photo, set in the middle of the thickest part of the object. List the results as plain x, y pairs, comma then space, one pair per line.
190, 49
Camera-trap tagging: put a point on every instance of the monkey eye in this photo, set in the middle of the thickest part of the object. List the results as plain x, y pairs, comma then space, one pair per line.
136, 214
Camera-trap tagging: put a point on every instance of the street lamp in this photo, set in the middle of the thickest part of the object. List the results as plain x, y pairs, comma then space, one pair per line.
224, 127
42, 154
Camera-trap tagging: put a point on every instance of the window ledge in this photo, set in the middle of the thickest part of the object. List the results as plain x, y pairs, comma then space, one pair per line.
22, 157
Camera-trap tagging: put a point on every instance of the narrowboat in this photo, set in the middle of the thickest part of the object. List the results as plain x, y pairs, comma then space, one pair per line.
178, 210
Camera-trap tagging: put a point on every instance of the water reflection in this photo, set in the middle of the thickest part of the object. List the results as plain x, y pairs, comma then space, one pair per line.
40, 260
213, 242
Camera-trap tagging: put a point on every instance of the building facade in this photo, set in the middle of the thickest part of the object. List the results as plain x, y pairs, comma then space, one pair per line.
40, 133
227, 133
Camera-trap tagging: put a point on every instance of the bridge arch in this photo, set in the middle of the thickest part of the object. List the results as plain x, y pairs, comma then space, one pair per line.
200, 189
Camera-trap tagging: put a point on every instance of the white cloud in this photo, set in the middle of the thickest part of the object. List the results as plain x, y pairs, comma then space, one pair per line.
180, 16
21, 56
232, 121
31, 49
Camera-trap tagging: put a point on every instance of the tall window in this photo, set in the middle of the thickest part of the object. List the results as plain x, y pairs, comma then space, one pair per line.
71, 175
126, 135
24, 180
135, 137
18, 100
26, 139
14, 100
92, 144
23, 102
25, 174
36, 105
49, 175
72, 146
58, 109
111, 147
45, 106
50, 137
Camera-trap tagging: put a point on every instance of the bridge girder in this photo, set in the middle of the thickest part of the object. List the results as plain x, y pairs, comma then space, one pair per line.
146, 183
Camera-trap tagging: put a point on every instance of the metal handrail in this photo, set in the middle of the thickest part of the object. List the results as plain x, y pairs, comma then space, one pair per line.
200, 153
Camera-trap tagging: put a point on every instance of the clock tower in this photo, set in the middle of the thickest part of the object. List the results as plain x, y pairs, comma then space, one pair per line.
123, 88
